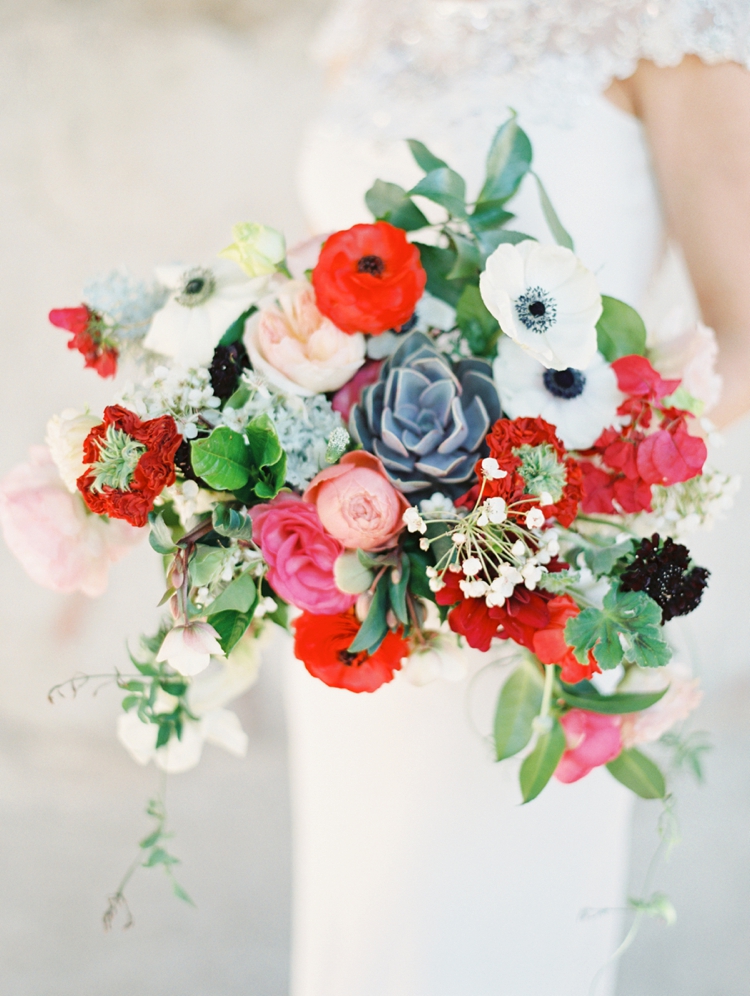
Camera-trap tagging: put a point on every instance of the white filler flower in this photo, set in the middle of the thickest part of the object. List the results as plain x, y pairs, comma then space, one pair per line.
203, 303
579, 402
546, 300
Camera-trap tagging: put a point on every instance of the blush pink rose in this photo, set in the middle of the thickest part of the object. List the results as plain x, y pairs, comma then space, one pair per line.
300, 555
592, 740
60, 544
356, 502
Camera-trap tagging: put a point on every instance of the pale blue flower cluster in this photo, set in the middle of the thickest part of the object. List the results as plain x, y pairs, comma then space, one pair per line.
125, 301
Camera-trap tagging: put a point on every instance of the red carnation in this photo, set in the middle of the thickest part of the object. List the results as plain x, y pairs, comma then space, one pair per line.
152, 446
87, 328
550, 647
506, 436
322, 644
368, 278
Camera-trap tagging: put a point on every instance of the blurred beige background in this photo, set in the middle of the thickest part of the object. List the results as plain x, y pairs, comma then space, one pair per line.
138, 132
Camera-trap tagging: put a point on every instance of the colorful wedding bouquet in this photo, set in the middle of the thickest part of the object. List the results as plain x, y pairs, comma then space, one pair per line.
414, 446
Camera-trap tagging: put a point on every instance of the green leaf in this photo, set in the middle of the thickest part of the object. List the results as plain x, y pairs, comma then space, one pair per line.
489, 241
488, 215
468, 258
231, 627
508, 161
620, 330
160, 536
267, 461
628, 625
206, 564
237, 329
539, 766
437, 264
160, 857
682, 398
658, 906
180, 893
231, 522
559, 233
480, 329
151, 839
173, 686
222, 459
240, 595
240, 397
559, 582
638, 773
397, 591
519, 702
373, 630
165, 731
424, 158
603, 559
610, 705
129, 701
445, 187
389, 202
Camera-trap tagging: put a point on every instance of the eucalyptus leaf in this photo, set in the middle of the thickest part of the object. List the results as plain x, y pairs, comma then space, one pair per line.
445, 187
438, 263
508, 161
391, 203
489, 241
638, 773
222, 459
540, 765
488, 215
620, 330
373, 630
206, 564
559, 233
519, 702
468, 258
397, 591
423, 157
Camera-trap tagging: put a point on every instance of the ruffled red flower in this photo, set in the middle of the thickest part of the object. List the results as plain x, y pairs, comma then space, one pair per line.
655, 447
518, 619
86, 327
153, 472
505, 437
322, 644
550, 647
368, 278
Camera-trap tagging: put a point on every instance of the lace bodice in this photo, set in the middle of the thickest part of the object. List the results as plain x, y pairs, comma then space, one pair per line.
564, 51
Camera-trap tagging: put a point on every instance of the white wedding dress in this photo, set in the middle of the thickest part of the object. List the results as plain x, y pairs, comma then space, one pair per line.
416, 871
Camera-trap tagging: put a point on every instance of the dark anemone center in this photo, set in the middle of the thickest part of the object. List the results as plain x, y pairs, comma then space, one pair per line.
564, 383
195, 285
373, 265
348, 658
537, 308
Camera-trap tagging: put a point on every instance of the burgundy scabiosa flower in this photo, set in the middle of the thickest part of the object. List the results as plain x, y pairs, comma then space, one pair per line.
662, 569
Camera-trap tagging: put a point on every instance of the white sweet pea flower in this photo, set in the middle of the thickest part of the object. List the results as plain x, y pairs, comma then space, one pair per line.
203, 303
258, 249
546, 300
414, 521
442, 659
580, 403
534, 518
66, 433
188, 649
491, 469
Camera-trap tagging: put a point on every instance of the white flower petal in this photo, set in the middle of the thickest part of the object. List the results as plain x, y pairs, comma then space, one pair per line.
222, 728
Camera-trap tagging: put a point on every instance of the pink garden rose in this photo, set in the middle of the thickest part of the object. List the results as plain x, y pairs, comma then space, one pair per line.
592, 739
300, 555
356, 502
60, 544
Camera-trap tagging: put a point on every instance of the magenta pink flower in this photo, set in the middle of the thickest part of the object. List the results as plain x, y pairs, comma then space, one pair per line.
60, 544
300, 555
592, 739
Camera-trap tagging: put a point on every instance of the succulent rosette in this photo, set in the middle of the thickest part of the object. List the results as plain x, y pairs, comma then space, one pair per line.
426, 418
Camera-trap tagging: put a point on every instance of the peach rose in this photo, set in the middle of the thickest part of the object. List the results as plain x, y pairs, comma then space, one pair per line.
356, 502
299, 350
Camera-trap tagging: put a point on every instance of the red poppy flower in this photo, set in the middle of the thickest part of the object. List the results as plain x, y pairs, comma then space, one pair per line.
87, 338
322, 644
506, 436
368, 278
550, 647
140, 454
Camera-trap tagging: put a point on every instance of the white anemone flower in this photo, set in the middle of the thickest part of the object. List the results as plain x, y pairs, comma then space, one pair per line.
580, 403
207, 697
203, 303
546, 300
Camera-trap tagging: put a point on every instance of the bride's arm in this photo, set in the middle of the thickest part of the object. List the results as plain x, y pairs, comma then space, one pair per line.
697, 119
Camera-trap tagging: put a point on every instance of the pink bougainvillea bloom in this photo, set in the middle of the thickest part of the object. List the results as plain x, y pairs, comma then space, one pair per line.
59, 543
356, 502
300, 555
592, 740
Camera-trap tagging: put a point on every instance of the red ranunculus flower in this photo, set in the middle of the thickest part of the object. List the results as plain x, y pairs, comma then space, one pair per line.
505, 437
550, 647
87, 338
153, 471
322, 644
368, 278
